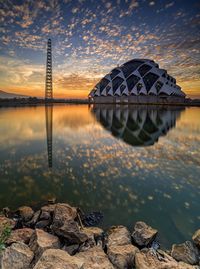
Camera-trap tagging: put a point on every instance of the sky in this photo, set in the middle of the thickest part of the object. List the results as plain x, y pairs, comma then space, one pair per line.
91, 37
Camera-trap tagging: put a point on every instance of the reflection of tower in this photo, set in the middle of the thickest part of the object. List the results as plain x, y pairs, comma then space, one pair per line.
49, 127
48, 86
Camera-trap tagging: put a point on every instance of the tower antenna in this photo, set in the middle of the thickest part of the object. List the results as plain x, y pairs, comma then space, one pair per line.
48, 85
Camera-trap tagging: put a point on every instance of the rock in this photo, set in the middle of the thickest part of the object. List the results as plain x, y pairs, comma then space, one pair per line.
118, 236
40, 241
42, 224
94, 258
58, 259
196, 238
182, 265
6, 211
52, 200
146, 260
45, 215
143, 234
20, 235
26, 213
93, 234
186, 252
70, 231
5, 222
63, 213
17, 256
48, 208
34, 219
122, 256
72, 249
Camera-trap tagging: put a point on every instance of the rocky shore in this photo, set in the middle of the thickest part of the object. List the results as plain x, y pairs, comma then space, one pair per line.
55, 237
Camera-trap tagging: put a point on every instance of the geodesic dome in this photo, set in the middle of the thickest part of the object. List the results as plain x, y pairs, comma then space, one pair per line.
137, 77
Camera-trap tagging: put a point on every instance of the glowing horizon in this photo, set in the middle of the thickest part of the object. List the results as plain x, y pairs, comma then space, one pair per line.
89, 38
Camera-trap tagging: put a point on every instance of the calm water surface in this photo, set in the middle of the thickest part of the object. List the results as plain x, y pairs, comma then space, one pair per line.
131, 163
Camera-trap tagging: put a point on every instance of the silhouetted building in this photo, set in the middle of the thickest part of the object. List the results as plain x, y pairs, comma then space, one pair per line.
137, 81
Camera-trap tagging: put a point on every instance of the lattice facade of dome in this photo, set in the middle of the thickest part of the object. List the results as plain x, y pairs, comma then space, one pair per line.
139, 80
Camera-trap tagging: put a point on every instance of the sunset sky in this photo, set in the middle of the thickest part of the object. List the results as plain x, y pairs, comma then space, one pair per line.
90, 37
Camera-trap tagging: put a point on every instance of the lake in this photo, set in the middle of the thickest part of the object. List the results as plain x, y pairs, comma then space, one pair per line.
131, 163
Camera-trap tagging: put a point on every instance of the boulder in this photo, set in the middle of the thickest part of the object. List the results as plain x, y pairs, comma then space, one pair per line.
72, 249
63, 213
57, 259
40, 241
49, 208
186, 252
196, 238
94, 258
118, 236
17, 256
93, 234
148, 260
5, 222
122, 256
20, 235
143, 234
34, 219
182, 265
70, 231
45, 215
42, 224
26, 213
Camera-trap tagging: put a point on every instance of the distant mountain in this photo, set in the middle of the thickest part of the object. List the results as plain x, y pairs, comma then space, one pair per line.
6, 95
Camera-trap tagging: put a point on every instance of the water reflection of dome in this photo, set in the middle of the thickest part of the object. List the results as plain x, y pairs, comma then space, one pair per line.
137, 126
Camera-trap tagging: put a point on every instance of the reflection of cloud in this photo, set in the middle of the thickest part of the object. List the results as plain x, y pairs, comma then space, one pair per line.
74, 118
89, 163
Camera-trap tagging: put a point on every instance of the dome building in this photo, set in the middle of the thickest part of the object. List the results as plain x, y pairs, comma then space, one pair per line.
137, 81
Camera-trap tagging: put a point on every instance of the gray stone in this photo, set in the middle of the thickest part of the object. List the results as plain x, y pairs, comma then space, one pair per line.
118, 236
186, 252
122, 256
196, 238
17, 256
58, 259
143, 234
20, 235
94, 258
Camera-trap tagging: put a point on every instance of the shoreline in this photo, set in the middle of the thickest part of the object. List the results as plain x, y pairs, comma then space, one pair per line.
84, 102
62, 236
